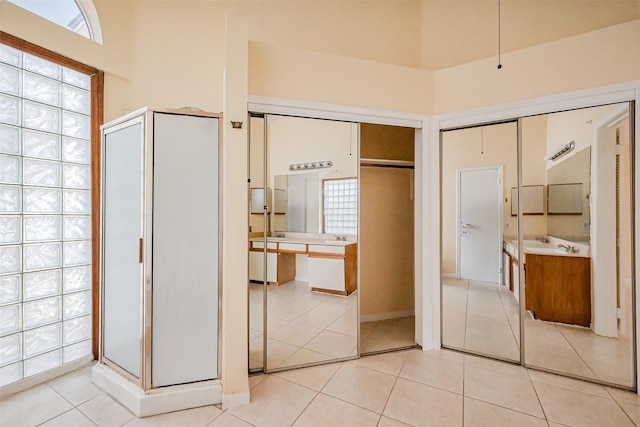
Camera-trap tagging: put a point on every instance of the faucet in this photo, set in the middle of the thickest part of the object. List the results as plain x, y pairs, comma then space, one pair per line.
341, 238
542, 239
568, 248
279, 234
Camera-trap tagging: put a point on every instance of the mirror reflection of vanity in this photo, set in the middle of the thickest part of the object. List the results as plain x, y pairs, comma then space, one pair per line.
302, 265
566, 246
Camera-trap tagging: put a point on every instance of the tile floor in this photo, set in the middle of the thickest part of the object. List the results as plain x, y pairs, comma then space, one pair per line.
483, 318
404, 388
387, 334
308, 327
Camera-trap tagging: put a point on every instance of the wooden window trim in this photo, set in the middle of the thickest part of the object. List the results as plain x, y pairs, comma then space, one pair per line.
97, 119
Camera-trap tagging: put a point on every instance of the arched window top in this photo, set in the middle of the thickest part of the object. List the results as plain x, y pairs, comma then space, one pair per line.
79, 16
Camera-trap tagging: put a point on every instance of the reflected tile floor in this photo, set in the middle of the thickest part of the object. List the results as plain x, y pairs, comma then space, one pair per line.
403, 388
303, 327
483, 318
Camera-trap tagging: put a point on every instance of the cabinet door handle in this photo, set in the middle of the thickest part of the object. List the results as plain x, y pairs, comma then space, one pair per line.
465, 225
140, 252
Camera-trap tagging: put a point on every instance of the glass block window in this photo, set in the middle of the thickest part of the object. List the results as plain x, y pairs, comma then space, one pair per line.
340, 206
45, 215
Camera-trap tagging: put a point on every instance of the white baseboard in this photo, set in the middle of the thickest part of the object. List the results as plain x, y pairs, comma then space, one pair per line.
235, 399
450, 275
386, 316
157, 401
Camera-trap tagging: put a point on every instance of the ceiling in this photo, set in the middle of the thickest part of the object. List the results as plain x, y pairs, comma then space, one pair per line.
460, 31
429, 34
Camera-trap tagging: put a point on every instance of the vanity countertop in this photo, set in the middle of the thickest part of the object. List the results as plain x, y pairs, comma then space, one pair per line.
305, 241
535, 247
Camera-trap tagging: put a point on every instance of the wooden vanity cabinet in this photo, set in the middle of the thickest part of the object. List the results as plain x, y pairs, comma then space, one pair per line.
281, 266
333, 269
558, 288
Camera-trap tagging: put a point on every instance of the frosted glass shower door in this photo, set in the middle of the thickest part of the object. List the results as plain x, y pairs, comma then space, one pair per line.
122, 232
185, 249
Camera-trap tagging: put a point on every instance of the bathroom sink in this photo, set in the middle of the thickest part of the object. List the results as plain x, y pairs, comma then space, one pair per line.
545, 251
277, 239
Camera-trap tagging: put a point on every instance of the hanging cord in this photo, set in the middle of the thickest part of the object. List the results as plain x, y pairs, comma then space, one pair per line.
499, 60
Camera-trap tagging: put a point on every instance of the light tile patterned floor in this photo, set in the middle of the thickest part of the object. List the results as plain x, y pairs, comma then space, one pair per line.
483, 318
411, 387
303, 326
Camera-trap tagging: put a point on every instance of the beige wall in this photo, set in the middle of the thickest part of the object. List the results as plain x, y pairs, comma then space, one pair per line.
494, 145
592, 59
534, 171
300, 74
380, 31
386, 243
178, 54
386, 224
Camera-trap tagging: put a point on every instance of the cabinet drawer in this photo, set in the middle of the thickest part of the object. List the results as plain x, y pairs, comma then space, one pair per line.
260, 245
326, 273
319, 250
298, 248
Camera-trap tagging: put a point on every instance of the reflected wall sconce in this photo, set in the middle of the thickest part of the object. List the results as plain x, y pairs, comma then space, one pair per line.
236, 125
561, 151
311, 165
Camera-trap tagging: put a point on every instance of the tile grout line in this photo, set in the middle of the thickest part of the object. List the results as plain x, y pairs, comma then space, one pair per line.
535, 390
577, 353
394, 386
67, 411
620, 406
314, 397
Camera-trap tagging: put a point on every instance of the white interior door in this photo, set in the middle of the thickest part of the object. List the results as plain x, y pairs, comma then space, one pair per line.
479, 219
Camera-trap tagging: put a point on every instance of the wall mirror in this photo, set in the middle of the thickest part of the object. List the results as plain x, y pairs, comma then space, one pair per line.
480, 311
577, 269
303, 243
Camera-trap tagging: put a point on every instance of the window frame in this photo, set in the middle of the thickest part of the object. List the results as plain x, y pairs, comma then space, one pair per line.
87, 11
97, 119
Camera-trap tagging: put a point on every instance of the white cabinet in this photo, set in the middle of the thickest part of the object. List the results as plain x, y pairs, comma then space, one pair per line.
333, 269
160, 272
281, 267
256, 266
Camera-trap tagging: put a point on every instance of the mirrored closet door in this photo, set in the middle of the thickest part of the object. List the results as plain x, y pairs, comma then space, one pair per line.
303, 241
578, 282
560, 229
480, 311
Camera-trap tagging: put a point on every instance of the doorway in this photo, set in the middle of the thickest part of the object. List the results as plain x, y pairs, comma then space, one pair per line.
387, 206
